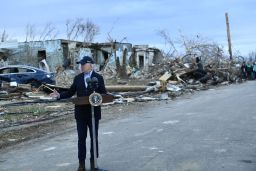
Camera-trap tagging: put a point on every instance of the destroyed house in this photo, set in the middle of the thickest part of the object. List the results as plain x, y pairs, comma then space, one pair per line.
107, 53
61, 52
65, 53
145, 56
55, 52
139, 56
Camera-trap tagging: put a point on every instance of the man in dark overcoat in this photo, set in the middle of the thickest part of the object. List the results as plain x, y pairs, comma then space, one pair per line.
83, 114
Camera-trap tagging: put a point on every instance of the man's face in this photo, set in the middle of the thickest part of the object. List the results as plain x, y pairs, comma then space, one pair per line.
86, 67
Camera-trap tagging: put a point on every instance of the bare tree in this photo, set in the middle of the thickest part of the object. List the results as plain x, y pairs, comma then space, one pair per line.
49, 32
201, 47
29, 42
165, 35
73, 28
110, 38
4, 36
89, 30
30, 32
252, 56
80, 30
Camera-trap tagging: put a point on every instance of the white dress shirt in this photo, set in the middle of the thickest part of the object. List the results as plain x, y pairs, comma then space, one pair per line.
87, 75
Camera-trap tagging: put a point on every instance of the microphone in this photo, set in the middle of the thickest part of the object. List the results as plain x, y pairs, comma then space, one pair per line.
94, 79
89, 82
95, 82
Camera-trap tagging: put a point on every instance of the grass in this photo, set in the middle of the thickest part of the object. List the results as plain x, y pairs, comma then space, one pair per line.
23, 113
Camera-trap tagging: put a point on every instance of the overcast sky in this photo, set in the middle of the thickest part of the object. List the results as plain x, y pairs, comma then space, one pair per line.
139, 20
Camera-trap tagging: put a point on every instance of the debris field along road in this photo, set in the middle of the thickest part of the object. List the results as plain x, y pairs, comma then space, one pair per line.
211, 130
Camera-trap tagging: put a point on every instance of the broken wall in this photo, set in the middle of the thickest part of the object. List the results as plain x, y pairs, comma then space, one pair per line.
7, 49
106, 54
146, 57
27, 53
119, 48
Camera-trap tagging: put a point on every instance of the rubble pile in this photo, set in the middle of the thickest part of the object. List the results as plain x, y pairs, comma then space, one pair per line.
181, 70
64, 78
174, 77
162, 81
170, 75
215, 72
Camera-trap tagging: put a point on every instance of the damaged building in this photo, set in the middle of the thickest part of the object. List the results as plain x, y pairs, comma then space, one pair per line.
64, 53
56, 52
145, 56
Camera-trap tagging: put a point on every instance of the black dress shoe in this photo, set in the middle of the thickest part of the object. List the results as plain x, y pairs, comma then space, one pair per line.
81, 166
92, 164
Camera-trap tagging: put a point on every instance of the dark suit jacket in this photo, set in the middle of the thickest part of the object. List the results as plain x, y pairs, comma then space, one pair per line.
78, 87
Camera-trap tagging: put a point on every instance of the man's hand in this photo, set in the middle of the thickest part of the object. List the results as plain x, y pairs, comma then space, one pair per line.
55, 94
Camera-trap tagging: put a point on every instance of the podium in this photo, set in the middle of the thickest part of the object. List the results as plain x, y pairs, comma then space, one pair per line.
106, 98
95, 99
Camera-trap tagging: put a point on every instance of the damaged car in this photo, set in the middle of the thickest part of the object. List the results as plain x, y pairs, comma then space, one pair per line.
23, 74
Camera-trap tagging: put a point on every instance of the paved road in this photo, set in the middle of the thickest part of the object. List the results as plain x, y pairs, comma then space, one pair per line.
212, 130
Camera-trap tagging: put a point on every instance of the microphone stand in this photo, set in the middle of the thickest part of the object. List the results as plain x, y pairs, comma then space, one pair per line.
94, 139
94, 85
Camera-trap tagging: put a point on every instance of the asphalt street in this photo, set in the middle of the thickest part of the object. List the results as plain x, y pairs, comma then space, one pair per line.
212, 130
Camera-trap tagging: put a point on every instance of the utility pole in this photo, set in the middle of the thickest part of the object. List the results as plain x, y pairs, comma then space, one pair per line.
229, 37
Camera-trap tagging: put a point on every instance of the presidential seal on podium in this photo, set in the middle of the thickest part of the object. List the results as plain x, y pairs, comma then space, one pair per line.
95, 99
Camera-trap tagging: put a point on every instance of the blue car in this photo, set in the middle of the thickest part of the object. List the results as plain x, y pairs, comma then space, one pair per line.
22, 74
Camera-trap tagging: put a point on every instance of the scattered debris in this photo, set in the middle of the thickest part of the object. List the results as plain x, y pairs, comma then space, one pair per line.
132, 74
165, 80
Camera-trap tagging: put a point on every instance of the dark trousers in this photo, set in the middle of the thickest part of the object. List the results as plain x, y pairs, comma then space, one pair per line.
82, 125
